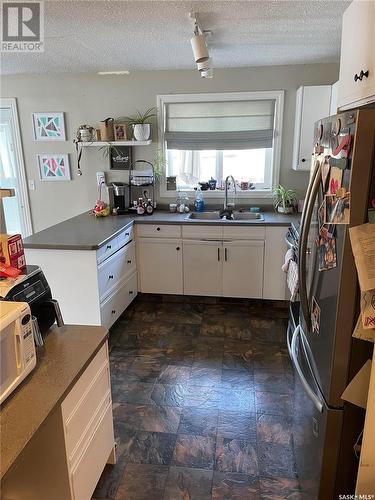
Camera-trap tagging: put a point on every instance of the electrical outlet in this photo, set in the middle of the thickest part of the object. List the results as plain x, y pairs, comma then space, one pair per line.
100, 178
31, 184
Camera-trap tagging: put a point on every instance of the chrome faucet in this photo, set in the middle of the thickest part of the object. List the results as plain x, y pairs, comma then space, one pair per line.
227, 210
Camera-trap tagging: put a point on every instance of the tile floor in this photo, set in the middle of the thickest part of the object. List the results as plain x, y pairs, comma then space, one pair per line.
201, 402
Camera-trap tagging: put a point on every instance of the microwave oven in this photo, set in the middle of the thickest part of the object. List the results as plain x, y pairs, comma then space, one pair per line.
17, 348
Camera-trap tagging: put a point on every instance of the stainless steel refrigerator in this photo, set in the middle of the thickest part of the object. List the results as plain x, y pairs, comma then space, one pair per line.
324, 355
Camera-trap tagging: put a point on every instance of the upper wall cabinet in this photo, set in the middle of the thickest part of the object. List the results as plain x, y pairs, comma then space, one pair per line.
357, 64
312, 104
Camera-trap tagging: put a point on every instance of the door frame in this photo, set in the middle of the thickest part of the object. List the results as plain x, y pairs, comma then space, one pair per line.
11, 103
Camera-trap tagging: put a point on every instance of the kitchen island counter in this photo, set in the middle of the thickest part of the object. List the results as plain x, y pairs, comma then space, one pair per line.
85, 232
66, 353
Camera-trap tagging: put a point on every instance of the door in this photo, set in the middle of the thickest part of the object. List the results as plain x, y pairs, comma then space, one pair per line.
357, 53
15, 210
243, 269
316, 427
203, 267
160, 265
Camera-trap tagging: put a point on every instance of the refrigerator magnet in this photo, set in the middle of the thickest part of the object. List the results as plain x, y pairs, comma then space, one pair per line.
327, 252
315, 316
337, 210
335, 180
368, 309
324, 170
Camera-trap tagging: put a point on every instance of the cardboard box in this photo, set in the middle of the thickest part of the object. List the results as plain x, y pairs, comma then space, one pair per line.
11, 251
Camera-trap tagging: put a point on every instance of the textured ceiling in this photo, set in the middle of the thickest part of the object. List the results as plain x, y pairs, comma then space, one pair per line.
96, 35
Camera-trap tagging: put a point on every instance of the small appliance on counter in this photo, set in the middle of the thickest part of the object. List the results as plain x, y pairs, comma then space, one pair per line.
119, 197
33, 288
17, 351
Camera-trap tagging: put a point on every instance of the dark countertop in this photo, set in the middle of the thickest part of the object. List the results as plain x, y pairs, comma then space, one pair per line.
85, 232
67, 351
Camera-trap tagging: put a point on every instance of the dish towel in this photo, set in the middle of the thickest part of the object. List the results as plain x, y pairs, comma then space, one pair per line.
289, 256
292, 279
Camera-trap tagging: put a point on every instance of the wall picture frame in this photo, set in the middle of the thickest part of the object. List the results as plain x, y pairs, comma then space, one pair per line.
49, 126
120, 157
120, 132
54, 167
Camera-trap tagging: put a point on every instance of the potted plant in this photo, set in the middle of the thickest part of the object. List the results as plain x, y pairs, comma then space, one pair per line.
284, 200
140, 123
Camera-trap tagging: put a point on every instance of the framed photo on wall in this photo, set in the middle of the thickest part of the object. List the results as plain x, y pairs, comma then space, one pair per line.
54, 167
120, 157
49, 127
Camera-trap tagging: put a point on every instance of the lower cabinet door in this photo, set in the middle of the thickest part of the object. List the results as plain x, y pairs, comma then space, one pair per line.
203, 267
243, 269
118, 301
160, 265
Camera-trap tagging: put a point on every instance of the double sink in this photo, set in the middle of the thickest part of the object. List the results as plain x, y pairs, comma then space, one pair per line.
236, 216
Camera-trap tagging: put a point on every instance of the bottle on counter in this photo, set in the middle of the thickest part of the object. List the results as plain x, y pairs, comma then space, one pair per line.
140, 207
199, 201
149, 207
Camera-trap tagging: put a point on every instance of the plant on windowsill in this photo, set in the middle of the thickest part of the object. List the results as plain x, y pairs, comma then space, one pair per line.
284, 200
140, 123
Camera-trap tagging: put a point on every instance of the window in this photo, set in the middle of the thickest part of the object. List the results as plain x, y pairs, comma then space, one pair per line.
208, 136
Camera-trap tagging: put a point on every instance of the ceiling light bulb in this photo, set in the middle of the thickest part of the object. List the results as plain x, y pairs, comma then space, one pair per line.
209, 73
199, 46
204, 66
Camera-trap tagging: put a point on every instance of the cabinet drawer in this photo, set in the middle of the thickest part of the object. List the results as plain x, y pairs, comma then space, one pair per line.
115, 269
202, 232
106, 250
125, 236
116, 303
75, 396
87, 472
85, 415
158, 231
244, 233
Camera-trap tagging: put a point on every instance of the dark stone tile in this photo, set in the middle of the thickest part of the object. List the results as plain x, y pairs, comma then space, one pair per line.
186, 330
180, 313
237, 378
172, 374
202, 375
273, 403
128, 414
168, 395
212, 330
142, 482
203, 397
279, 488
274, 429
238, 356
273, 382
269, 358
144, 369
237, 425
237, 399
144, 447
188, 484
160, 419
199, 422
132, 392
234, 486
276, 460
238, 332
194, 451
269, 331
109, 481
236, 455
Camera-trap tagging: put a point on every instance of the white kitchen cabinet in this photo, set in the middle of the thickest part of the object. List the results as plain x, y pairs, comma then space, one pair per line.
274, 279
203, 262
312, 104
160, 265
243, 269
357, 55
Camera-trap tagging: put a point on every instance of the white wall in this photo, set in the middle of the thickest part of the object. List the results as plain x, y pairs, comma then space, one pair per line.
88, 98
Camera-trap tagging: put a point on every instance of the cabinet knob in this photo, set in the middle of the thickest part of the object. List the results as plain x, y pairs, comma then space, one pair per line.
127, 234
303, 160
130, 292
158, 229
177, 248
109, 247
128, 261
363, 74
356, 77
113, 311
110, 277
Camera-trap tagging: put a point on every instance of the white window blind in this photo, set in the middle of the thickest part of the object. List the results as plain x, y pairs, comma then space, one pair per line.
220, 125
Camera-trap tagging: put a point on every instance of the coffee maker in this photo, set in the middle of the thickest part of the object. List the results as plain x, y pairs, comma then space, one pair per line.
119, 196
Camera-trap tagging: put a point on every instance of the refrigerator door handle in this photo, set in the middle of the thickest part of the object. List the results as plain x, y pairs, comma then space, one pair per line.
302, 252
311, 394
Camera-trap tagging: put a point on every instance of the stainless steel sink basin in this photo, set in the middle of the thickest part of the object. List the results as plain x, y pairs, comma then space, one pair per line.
204, 216
237, 216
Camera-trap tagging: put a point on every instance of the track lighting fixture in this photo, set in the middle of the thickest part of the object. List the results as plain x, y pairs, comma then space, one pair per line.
200, 49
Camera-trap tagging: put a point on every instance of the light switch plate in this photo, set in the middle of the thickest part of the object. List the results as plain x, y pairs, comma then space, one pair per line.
31, 184
100, 178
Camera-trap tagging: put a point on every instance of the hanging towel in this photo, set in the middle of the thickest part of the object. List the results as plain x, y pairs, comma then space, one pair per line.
292, 279
289, 256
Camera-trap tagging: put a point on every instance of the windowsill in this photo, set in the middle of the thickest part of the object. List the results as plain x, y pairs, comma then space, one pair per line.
253, 193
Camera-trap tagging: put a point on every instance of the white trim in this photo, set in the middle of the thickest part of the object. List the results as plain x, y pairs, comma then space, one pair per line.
278, 95
26, 220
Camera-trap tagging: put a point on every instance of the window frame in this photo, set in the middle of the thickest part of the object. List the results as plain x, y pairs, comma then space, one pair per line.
277, 95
